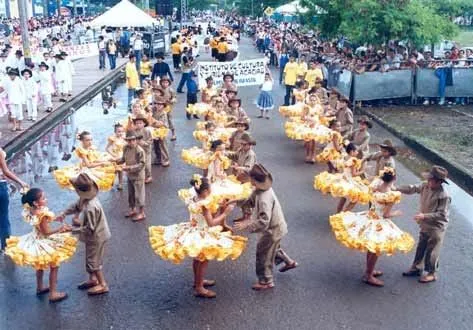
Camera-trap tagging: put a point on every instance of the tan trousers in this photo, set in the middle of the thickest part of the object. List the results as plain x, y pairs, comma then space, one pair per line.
161, 151
148, 159
428, 250
170, 122
94, 252
136, 193
266, 250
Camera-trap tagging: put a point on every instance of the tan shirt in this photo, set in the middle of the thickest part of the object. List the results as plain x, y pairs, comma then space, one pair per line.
162, 117
345, 117
146, 139
246, 159
238, 114
267, 216
169, 94
434, 204
135, 158
381, 162
361, 139
235, 140
94, 225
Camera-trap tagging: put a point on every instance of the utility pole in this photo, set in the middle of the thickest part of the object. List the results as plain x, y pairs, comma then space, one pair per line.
45, 8
74, 8
22, 11
58, 5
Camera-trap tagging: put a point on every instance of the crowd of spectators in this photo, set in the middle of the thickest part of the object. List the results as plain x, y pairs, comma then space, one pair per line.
278, 40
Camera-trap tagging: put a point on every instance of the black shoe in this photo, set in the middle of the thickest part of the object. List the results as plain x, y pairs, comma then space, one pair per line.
412, 272
180, 92
196, 117
52, 169
66, 157
188, 116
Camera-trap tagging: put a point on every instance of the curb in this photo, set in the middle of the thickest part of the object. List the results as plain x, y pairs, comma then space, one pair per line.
26, 139
456, 172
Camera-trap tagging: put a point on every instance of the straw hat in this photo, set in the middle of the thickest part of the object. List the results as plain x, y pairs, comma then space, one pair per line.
160, 100
234, 100
228, 75
436, 172
388, 145
246, 138
244, 123
365, 120
141, 117
131, 135
85, 187
262, 179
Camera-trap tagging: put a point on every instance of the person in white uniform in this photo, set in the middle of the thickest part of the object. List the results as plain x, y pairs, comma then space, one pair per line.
31, 92
46, 86
69, 73
16, 97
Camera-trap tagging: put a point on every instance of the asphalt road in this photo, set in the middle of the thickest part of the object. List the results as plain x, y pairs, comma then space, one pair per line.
325, 292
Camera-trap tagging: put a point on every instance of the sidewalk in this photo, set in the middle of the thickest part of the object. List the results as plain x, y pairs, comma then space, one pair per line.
87, 74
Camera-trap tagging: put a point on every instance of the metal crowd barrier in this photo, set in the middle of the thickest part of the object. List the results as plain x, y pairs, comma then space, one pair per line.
412, 84
427, 83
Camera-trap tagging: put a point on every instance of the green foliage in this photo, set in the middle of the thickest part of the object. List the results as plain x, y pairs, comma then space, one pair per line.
256, 7
376, 21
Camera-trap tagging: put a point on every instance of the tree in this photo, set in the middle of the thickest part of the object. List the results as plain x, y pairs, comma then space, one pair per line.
378, 21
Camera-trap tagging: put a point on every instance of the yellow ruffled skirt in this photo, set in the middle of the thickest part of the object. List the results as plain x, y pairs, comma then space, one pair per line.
298, 130
41, 252
294, 110
176, 242
329, 154
220, 133
354, 189
103, 176
160, 133
197, 157
199, 109
231, 189
366, 231
227, 189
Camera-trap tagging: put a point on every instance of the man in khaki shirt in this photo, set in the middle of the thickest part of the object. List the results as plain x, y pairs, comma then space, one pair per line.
433, 222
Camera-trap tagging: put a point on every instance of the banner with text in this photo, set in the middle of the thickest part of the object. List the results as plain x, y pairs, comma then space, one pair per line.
246, 73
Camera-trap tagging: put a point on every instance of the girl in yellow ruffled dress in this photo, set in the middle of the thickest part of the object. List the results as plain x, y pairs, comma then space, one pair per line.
98, 165
212, 132
44, 247
346, 185
115, 145
373, 231
316, 130
333, 150
223, 186
136, 110
202, 238
218, 115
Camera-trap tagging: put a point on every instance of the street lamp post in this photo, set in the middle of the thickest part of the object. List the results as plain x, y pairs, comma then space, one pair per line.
74, 8
22, 11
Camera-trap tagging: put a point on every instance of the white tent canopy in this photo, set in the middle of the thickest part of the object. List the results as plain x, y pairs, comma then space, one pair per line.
292, 8
295, 7
124, 14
